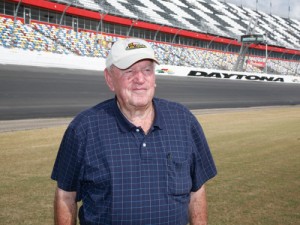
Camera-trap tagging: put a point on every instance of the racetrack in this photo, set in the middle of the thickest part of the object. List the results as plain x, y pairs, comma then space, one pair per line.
37, 92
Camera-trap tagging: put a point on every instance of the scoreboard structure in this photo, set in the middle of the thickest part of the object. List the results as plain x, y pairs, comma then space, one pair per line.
252, 38
246, 41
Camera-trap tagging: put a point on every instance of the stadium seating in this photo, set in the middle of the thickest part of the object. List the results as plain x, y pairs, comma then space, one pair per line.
215, 16
90, 4
49, 38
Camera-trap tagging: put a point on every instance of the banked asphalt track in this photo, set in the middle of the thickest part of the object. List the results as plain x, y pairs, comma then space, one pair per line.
37, 92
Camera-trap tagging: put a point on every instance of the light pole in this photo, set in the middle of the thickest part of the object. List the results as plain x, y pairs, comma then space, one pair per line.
225, 50
256, 5
266, 62
60, 23
297, 69
155, 35
211, 41
133, 22
15, 21
171, 45
100, 24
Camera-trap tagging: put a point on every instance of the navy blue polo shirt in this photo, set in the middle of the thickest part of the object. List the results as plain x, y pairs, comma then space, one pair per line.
126, 177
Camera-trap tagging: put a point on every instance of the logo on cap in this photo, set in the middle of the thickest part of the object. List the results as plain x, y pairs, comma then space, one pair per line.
135, 45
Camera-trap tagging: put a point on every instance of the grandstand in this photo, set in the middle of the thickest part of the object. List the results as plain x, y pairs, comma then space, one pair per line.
193, 33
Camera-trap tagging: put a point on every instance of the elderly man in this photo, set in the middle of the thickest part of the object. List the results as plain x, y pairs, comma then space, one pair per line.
134, 159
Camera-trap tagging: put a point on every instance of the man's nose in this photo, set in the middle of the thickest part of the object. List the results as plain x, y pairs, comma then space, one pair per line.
139, 76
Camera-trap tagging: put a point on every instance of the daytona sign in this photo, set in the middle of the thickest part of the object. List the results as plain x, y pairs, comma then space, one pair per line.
234, 76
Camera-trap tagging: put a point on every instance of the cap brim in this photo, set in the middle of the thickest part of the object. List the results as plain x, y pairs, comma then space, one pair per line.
130, 60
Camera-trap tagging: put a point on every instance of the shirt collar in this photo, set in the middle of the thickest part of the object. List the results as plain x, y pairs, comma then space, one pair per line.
126, 126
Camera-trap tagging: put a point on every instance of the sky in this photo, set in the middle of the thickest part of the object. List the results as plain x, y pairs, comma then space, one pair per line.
276, 7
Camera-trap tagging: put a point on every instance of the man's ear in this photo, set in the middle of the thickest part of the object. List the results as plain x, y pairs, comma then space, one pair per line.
109, 82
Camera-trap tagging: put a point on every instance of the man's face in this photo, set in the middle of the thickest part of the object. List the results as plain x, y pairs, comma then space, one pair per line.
134, 86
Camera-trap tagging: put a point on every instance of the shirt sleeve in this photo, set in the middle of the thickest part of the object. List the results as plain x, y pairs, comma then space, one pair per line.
67, 166
203, 166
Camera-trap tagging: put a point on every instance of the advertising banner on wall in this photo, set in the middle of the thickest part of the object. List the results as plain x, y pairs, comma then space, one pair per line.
256, 63
223, 74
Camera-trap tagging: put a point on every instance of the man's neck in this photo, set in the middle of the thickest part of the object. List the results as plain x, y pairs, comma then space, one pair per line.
140, 117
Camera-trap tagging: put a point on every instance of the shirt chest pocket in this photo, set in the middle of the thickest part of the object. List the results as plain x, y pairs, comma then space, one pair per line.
179, 177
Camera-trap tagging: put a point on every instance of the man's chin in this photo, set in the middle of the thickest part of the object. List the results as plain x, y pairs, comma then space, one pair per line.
140, 102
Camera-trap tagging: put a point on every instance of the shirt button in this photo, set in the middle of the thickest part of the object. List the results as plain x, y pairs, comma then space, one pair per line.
137, 130
144, 144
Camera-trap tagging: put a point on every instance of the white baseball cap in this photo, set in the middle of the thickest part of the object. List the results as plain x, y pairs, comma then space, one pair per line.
126, 52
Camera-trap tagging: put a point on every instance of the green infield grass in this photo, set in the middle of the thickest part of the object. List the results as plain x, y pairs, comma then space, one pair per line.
257, 153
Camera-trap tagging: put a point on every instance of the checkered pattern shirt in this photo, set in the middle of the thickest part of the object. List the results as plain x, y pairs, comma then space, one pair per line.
126, 177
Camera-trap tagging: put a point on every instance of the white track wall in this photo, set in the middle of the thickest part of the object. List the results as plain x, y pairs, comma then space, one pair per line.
44, 59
